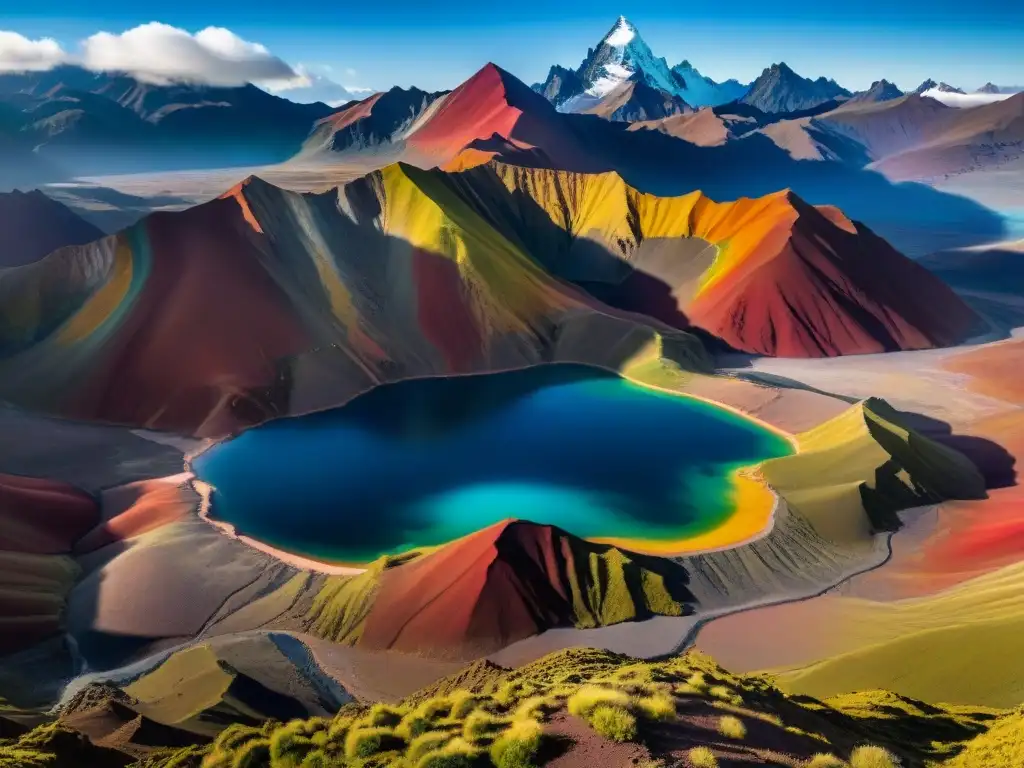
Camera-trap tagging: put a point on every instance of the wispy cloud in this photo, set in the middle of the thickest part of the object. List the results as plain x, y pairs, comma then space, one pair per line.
158, 53
965, 99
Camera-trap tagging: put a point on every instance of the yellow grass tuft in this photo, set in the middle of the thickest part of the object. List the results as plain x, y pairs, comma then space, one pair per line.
587, 698
732, 727
659, 707
481, 725
518, 746
426, 743
702, 757
365, 742
457, 753
614, 722
873, 757
825, 760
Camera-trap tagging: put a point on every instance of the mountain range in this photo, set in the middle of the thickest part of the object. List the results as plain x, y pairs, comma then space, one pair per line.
80, 122
623, 57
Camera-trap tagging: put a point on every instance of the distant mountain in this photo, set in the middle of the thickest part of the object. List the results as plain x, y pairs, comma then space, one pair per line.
373, 124
90, 123
780, 89
701, 91
880, 90
931, 85
989, 88
33, 225
623, 57
632, 101
562, 84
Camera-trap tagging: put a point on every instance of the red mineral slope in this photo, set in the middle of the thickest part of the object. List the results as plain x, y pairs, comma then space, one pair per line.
507, 582
205, 328
43, 516
822, 285
493, 104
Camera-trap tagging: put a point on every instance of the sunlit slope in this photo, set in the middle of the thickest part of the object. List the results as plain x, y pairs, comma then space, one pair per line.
853, 472
970, 632
776, 276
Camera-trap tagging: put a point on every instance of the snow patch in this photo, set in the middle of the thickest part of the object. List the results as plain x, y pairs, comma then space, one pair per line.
622, 34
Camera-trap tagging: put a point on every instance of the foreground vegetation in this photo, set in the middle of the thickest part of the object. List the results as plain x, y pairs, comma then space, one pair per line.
685, 711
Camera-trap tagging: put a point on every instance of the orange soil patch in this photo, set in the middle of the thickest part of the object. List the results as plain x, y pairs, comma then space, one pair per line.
136, 508
995, 369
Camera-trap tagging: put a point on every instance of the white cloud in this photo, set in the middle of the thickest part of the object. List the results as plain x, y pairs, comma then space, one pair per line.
965, 99
19, 54
159, 53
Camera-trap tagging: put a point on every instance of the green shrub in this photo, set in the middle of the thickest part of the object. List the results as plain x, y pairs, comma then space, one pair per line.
536, 707
383, 715
825, 760
288, 748
413, 725
424, 743
455, 754
732, 727
234, 736
697, 682
589, 697
722, 693
440, 706
702, 757
873, 757
462, 703
16, 757
614, 722
319, 759
660, 706
252, 754
480, 725
518, 746
365, 742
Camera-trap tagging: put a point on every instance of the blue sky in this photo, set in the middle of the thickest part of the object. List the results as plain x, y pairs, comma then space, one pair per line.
435, 45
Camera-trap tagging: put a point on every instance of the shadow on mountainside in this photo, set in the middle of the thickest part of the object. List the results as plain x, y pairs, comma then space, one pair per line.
997, 465
917, 219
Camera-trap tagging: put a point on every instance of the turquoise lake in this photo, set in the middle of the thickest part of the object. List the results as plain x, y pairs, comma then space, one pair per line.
423, 462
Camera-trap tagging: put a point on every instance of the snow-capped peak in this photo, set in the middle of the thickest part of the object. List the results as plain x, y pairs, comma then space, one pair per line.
623, 55
622, 33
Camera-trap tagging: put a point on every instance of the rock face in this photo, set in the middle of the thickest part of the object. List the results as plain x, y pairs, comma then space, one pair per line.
989, 88
880, 90
511, 581
373, 124
33, 225
780, 89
